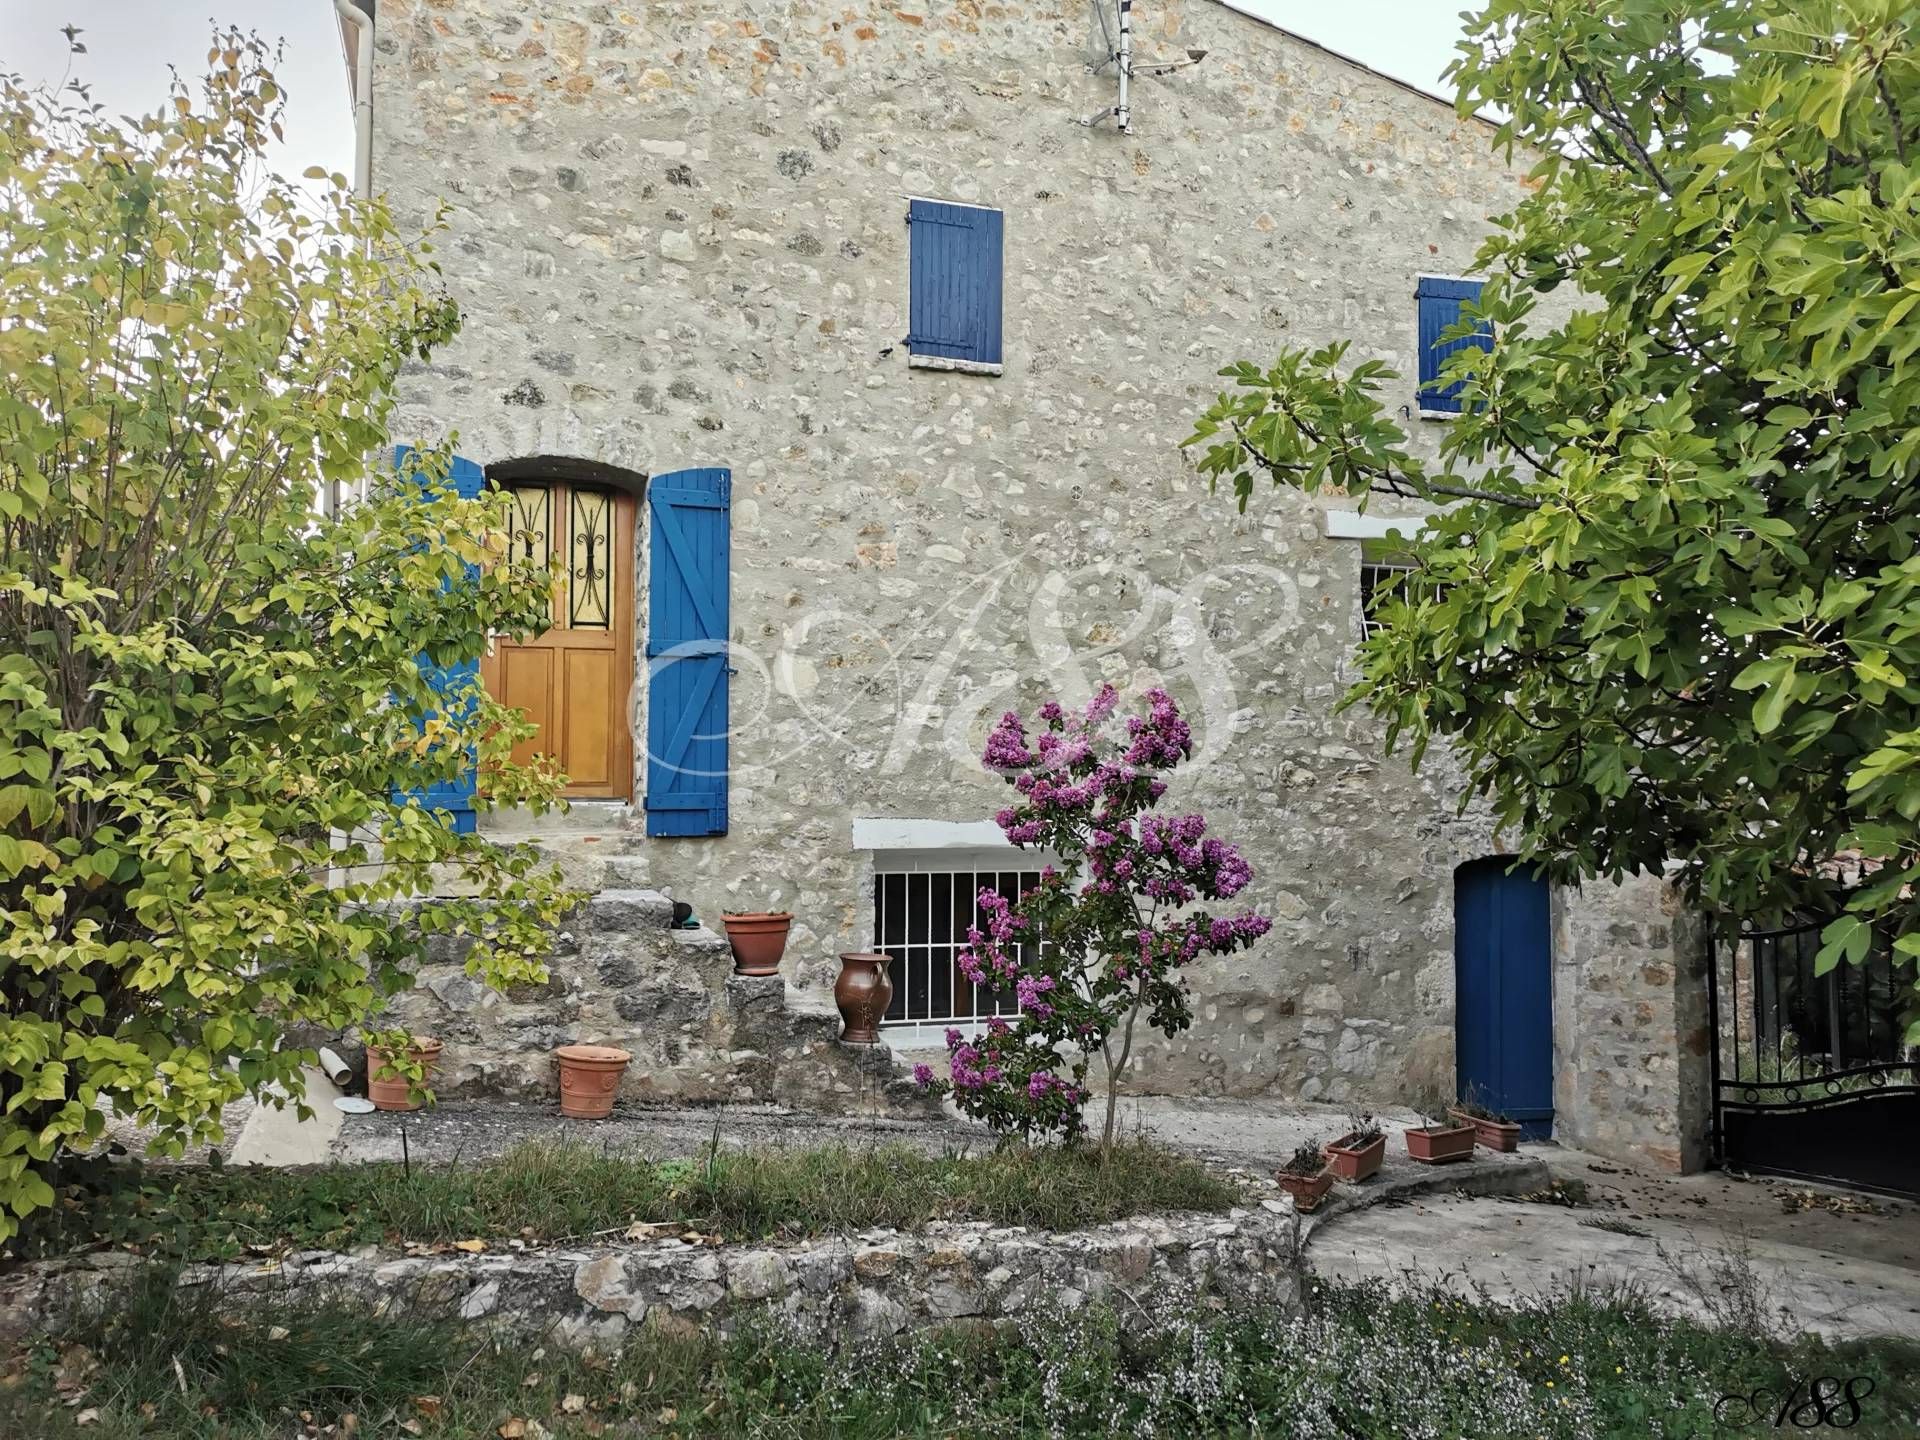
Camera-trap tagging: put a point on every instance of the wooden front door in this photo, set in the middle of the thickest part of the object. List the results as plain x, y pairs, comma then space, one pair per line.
575, 680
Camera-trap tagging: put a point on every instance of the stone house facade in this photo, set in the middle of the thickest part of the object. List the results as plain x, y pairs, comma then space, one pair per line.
684, 240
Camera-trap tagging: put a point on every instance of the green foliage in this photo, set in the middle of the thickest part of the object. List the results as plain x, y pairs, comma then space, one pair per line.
545, 1191
208, 696
167, 1365
1670, 613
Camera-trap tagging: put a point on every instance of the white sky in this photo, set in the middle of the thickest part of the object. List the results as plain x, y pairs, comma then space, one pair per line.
130, 43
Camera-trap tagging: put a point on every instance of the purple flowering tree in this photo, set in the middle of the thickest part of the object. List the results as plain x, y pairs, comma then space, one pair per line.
1095, 948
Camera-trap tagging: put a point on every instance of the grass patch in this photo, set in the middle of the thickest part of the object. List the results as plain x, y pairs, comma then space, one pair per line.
167, 1366
547, 1191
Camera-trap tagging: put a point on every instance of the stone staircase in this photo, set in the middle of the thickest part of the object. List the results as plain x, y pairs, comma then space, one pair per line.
621, 974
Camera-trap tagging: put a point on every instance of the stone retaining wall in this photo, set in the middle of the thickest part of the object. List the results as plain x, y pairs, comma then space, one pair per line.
698, 1033
864, 1286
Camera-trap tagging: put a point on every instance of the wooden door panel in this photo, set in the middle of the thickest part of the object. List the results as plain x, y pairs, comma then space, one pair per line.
588, 726
526, 683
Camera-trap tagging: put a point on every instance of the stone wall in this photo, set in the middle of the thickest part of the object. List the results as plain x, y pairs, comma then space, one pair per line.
857, 1287
698, 1033
1631, 1036
678, 239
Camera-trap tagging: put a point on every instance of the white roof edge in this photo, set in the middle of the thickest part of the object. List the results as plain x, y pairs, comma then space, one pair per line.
1352, 525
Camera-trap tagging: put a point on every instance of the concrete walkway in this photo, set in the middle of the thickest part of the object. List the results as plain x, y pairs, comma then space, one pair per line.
1509, 1250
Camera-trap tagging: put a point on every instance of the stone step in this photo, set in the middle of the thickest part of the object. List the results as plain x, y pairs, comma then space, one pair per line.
611, 820
629, 912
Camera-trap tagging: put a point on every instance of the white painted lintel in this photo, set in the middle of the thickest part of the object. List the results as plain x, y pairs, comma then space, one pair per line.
898, 834
1352, 525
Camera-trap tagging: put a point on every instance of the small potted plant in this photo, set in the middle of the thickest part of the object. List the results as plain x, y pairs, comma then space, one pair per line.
1434, 1143
1491, 1128
392, 1069
1306, 1176
758, 938
1358, 1153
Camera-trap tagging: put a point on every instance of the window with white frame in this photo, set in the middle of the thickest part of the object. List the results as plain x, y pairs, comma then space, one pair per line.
1385, 571
1386, 564
923, 904
1383, 577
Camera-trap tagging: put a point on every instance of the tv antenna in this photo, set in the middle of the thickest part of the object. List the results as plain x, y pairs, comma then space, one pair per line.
1120, 56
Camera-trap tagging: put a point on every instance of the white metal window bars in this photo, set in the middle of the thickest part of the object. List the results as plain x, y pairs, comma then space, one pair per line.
920, 918
1379, 579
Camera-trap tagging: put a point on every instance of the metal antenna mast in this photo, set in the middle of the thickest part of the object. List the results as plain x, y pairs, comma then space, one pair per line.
1121, 58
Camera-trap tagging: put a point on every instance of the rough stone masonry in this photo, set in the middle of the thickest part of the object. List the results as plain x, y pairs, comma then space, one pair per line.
861, 1287
677, 236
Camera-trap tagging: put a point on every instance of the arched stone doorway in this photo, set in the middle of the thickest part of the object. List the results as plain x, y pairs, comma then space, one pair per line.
575, 680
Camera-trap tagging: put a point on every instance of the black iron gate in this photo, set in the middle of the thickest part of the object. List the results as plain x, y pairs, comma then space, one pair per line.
1810, 1078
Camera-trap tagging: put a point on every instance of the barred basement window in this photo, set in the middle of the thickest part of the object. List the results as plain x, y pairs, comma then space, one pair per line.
1378, 582
920, 918
1384, 572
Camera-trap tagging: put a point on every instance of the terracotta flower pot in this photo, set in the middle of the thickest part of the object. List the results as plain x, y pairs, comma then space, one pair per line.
863, 992
1351, 1162
1307, 1190
1441, 1145
589, 1077
758, 940
394, 1092
1494, 1134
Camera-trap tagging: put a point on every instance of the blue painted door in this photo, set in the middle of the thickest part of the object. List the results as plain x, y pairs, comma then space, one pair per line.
687, 669
1503, 995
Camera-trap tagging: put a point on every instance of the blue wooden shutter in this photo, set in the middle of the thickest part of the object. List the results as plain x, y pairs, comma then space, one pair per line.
1441, 304
687, 670
458, 684
954, 281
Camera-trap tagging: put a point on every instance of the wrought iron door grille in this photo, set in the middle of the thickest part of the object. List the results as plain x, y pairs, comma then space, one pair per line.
1811, 1075
920, 918
590, 560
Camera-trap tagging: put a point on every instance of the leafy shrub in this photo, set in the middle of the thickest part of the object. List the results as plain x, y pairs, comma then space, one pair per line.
211, 699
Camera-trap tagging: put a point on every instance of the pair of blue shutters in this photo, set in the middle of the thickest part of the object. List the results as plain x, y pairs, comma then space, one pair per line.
1442, 305
954, 257
689, 524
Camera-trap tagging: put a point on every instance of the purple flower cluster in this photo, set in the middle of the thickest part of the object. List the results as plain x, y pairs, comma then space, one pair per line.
1043, 1083
1160, 739
1007, 745
1030, 992
984, 961
969, 1065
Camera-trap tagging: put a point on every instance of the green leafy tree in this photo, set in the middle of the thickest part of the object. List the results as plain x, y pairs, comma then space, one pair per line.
209, 696
1667, 608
